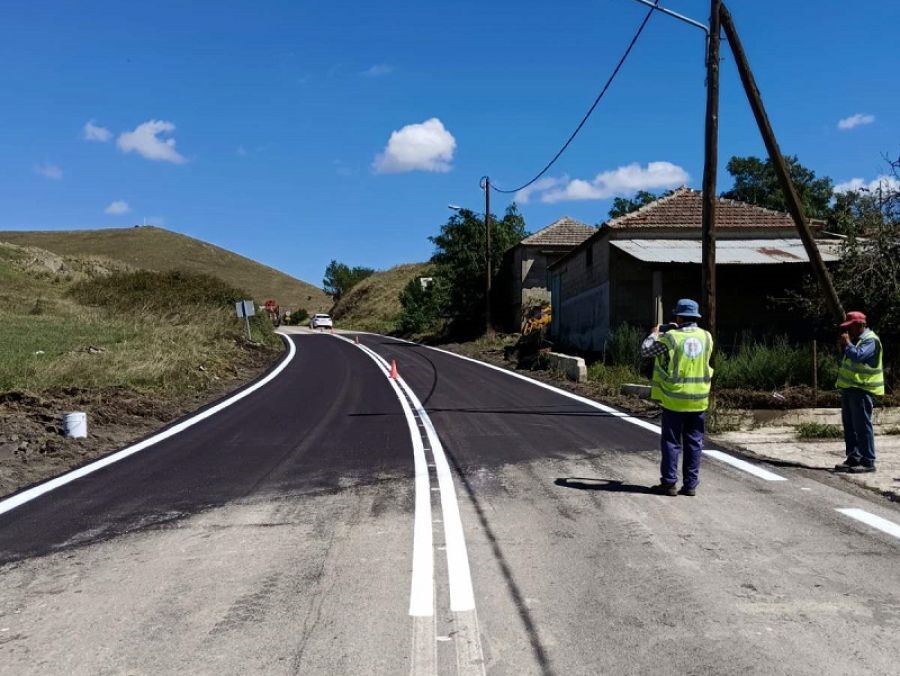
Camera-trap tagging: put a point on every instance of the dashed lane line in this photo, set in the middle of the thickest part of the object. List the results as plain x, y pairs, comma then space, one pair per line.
872, 520
749, 467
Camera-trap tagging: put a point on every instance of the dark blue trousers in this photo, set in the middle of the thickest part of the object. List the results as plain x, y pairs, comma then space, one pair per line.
682, 433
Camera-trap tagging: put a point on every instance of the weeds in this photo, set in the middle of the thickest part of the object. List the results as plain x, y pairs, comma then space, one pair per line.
813, 430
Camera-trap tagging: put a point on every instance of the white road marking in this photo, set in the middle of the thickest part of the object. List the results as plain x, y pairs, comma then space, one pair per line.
461, 595
67, 478
421, 595
470, 656
872, 520
755, 470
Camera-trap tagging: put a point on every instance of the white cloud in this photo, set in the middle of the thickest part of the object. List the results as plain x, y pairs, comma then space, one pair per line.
417, 147
618, 182
117, 208
855, 121
378, 70
145, 140
92, 132
242, 151
885, 182
539, 186
48, 170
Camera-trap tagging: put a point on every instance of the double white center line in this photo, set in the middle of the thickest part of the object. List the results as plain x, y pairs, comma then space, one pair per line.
467, 638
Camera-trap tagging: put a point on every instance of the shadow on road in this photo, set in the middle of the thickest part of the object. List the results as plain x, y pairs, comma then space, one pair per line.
537, 647
608, 485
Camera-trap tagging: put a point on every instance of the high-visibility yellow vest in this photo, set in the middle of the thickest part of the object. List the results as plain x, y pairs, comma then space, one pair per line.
683, 384
862, 376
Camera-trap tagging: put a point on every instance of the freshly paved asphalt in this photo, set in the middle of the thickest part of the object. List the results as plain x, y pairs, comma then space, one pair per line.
276, 537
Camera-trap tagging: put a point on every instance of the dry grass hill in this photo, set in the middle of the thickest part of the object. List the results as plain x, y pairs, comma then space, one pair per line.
374, 303
162, 250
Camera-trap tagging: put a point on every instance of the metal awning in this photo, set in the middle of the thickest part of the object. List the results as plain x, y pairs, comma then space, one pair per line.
728, 251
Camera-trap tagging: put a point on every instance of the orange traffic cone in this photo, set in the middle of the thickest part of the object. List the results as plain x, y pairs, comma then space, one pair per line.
394, 374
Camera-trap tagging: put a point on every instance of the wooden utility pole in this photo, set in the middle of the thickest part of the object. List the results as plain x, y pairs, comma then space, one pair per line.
488, 326
826, 286
710, 169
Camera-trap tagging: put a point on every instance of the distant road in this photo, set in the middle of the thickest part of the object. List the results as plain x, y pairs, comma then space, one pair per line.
461, 520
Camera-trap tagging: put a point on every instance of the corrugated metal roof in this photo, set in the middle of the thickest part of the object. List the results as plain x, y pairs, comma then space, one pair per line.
728, 251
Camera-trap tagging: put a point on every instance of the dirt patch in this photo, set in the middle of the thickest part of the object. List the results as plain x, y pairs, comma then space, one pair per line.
32, 445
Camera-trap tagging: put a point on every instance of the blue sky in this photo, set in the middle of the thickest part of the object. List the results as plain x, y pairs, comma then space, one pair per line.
282, 113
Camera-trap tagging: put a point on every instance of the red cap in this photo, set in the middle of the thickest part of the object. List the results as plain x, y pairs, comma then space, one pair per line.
854, 318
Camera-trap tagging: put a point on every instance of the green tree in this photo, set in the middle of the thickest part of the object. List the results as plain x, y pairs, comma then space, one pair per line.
755, 183
422, 306
625, 205
340, 278
867, 276
460, 263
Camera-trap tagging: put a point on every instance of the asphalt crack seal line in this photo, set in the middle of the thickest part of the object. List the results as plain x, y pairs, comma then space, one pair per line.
36, 491
737, 463
467, 639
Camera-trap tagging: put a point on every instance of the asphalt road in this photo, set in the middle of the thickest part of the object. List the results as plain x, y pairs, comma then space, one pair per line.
320, 525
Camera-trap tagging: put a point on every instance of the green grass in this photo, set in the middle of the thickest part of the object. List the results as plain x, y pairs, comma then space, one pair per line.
167, 333
813, 430
374, 303
773, 364
162, 250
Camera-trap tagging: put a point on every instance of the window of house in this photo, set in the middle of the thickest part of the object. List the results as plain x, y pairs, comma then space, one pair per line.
589, 256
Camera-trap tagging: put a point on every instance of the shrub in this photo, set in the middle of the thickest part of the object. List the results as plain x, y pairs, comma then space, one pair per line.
767, 365
814, 430
623, 347
166, 293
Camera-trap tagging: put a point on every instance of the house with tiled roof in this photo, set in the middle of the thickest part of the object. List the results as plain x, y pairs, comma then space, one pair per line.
530, 259
634, 268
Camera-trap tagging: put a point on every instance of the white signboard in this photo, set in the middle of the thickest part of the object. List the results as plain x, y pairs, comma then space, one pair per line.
244, 309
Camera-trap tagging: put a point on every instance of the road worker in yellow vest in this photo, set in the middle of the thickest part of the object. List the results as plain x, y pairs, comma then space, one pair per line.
860, 380
682, 377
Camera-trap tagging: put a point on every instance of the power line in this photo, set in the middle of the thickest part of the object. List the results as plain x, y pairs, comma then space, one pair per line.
590, 110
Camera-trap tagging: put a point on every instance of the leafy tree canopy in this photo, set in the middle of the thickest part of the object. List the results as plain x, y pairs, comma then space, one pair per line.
755, 183
460, 262
625, 205
340, 278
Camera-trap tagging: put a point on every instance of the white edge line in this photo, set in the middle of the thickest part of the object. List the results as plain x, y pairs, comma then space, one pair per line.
421, 595
872, 520
744, 465
718, 455
39, 490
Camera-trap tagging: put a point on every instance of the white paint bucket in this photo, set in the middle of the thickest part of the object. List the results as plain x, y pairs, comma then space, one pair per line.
75, 425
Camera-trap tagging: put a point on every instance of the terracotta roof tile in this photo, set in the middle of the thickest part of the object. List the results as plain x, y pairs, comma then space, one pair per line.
683, 208
564, 232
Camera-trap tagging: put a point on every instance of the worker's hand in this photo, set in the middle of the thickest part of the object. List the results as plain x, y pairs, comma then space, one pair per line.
655, 329
844, 340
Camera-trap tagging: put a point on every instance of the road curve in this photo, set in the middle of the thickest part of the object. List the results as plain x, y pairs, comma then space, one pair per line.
277, 537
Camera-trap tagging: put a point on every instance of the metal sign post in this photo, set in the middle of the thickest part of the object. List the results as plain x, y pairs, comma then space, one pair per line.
244, 310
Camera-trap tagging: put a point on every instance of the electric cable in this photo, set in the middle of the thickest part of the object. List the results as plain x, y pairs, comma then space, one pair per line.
590, 110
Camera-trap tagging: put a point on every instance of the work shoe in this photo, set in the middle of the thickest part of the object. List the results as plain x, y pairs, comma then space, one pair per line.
665, 489
847, 465
861, 469
690, 492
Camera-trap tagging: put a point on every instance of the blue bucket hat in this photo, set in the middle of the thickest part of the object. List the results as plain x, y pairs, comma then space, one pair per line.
687, 308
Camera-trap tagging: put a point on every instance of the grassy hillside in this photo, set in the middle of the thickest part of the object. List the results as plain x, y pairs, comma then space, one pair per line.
374, 303
90, 324
154, 248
